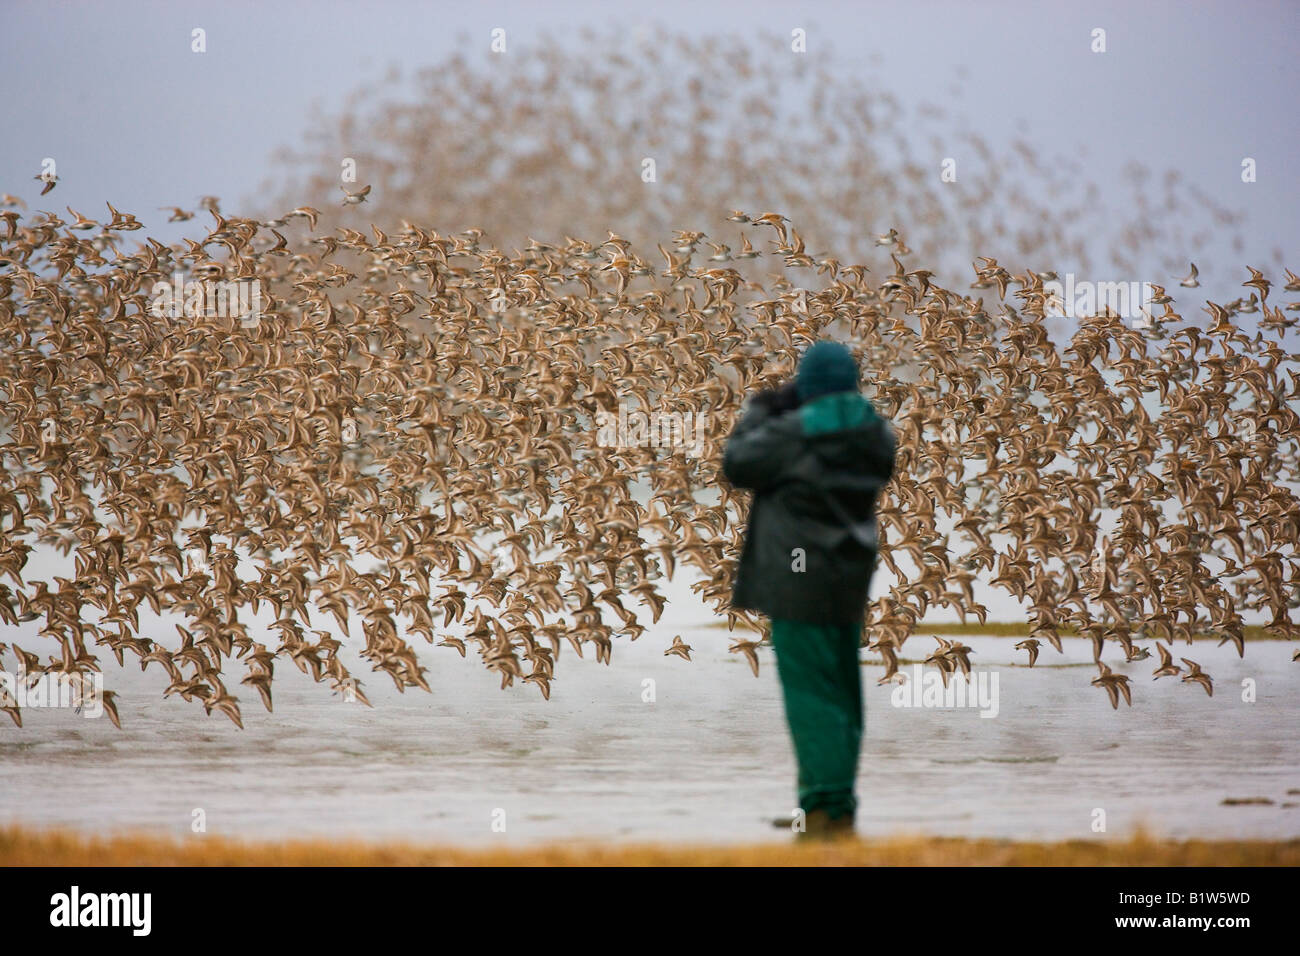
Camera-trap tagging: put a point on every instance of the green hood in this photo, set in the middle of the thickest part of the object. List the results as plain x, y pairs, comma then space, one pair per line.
836, 412
826, 367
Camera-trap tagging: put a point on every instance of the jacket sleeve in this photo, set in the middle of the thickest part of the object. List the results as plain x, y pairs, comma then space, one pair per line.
759, 447
886, 451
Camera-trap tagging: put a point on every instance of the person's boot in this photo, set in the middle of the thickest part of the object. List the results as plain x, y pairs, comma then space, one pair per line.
841, 828
816, 826
820, 826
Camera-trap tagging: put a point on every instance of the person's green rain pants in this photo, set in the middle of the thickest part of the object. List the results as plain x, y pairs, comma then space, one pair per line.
822, 684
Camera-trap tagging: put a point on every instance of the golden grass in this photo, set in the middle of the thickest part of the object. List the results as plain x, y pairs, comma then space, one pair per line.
22, 847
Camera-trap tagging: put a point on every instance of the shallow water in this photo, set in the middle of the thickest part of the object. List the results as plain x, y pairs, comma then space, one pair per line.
708, 759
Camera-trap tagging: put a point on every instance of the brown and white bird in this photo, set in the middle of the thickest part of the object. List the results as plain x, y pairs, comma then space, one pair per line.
1030, 645
1114, 685
354, 198
750, 650
679, 648
1198, 676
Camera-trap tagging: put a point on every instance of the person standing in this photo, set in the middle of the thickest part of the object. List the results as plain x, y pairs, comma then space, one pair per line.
815, 454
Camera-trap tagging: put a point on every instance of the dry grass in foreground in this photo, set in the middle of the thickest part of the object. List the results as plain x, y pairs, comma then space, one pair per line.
20, 847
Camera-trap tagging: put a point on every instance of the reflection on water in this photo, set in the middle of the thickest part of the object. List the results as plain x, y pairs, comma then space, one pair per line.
708, 759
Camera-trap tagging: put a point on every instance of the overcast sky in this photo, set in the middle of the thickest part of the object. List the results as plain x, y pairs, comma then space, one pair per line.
113, 92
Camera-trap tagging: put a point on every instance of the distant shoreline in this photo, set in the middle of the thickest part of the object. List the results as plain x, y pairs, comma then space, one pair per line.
37, 847
1252, 632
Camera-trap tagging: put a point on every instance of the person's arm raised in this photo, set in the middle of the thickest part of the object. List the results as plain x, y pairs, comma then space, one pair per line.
761, 444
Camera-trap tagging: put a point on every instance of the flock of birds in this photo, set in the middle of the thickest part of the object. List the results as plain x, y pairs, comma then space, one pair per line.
404, 443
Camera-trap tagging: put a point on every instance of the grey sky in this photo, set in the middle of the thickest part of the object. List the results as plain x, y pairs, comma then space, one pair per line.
114, 94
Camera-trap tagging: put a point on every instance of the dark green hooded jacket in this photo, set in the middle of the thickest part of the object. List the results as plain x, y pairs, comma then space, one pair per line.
816, 473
